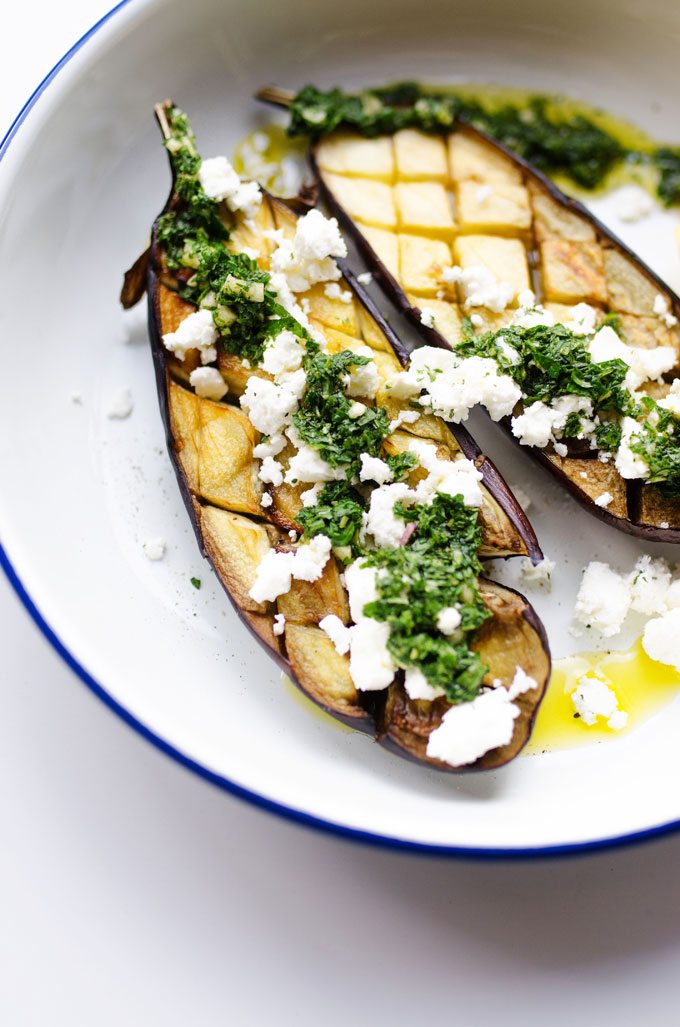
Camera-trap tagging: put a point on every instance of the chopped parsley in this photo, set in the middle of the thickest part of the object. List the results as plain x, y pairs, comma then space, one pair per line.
658, 443
401, 464
196, 582
438, 568
553, 362
337, 514
323, 418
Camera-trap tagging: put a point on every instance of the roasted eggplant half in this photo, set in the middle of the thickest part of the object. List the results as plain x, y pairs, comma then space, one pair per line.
240, 520
421, 204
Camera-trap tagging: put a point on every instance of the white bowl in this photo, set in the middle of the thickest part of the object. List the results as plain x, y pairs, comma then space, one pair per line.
82, 177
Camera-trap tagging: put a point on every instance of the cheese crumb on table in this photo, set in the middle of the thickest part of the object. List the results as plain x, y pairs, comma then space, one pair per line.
120, 406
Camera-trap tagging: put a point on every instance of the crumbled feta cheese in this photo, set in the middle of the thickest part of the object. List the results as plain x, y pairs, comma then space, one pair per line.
451, 477
649, 584
529, 314
427, 317
448, 620
542, 423
470, 729
645, 364
271, 447
662, 310
266, 500
308, 466
308, 257
583, 319
453, 386
603, 599
479, 286
208, 383
370, 664
339, 634
279, 625
374, 469
672, 400
418, 687
356, 410
196, 331
604, 499
282, 354
310, 497
538, 573
218, 178
334, 292
661, 638
633, 203
220, 182
363, 379
386, 529
365, 278
629, 464
593, 699
476, 320
269, 404
360, 582
521, 683
277, 569
403, 417
154, 548
270, 471
664, 524
120, 405
534, 427
560, 449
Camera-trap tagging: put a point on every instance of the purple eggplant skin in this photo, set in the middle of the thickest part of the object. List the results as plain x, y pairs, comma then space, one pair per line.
431, 337
150, 267
372, 719
492, 478
524, 725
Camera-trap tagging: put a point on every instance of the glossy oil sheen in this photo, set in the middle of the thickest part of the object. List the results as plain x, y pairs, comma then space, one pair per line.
643, 687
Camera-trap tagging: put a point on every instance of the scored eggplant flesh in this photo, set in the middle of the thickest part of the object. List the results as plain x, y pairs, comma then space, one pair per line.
392, 194
211, 446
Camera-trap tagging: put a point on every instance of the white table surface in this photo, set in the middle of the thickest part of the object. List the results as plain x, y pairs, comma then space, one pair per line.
133, 893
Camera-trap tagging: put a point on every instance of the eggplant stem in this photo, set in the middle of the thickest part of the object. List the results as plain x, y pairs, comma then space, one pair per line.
161, 112
275, 95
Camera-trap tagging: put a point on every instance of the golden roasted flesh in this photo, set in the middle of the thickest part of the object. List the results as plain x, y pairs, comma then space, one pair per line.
418, 203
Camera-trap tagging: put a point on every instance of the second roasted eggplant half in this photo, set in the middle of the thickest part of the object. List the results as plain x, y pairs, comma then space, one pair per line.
346, 525
553, 325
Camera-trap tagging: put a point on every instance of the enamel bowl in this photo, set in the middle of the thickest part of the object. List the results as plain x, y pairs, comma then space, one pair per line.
82, 177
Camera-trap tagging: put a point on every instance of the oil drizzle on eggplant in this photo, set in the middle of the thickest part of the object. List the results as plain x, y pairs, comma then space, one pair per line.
642, 170
642, 687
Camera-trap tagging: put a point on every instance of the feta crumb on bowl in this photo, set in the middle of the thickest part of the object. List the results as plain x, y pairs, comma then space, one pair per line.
154, 549
593, 700
120, 405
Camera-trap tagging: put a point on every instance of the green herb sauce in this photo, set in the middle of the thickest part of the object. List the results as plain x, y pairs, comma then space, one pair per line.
555, 362
440, 566
574, 145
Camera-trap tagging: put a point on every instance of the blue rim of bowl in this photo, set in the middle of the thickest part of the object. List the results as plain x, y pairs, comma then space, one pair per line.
254, 798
